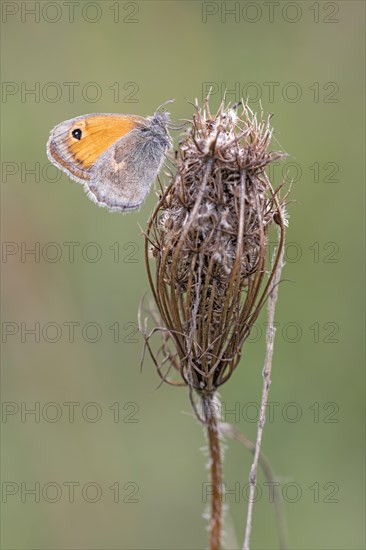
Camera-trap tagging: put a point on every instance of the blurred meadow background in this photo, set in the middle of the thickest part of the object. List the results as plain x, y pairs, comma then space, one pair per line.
107, 459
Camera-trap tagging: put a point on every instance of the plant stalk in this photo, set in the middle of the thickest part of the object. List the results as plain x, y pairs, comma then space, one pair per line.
215, 474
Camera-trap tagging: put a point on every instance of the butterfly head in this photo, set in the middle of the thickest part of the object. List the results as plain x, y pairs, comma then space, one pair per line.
158, 126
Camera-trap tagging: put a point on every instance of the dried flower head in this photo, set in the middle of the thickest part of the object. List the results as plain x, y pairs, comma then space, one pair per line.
208, 240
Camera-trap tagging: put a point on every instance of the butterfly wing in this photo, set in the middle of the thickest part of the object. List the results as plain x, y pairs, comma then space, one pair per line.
75, 145
122, 176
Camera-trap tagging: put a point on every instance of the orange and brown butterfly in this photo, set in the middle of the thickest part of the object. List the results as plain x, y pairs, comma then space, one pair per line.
115, 156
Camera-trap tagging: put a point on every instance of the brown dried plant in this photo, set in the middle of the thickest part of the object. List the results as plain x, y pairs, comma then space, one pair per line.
206, 251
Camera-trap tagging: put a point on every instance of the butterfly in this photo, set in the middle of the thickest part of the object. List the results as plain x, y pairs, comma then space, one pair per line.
116, 157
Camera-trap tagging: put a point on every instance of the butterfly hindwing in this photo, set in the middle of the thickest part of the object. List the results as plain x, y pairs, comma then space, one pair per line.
122, 176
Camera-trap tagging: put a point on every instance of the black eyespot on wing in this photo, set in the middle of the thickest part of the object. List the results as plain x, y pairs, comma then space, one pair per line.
77, 133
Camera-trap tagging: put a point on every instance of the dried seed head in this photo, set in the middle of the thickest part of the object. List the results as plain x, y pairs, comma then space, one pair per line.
208, 237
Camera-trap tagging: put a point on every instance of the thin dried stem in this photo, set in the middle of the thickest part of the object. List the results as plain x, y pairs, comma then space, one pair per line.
272, 299
231, 431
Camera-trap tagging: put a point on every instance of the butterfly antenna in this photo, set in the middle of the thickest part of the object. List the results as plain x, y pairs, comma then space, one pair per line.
237, 105
177, 126
165, 103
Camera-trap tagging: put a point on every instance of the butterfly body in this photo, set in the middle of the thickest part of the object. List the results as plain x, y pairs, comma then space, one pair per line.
115, 157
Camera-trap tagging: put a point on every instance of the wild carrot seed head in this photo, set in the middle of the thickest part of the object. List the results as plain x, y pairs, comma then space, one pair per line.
208, 239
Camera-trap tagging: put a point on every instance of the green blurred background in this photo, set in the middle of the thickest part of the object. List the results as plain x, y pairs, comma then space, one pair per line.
312, 53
